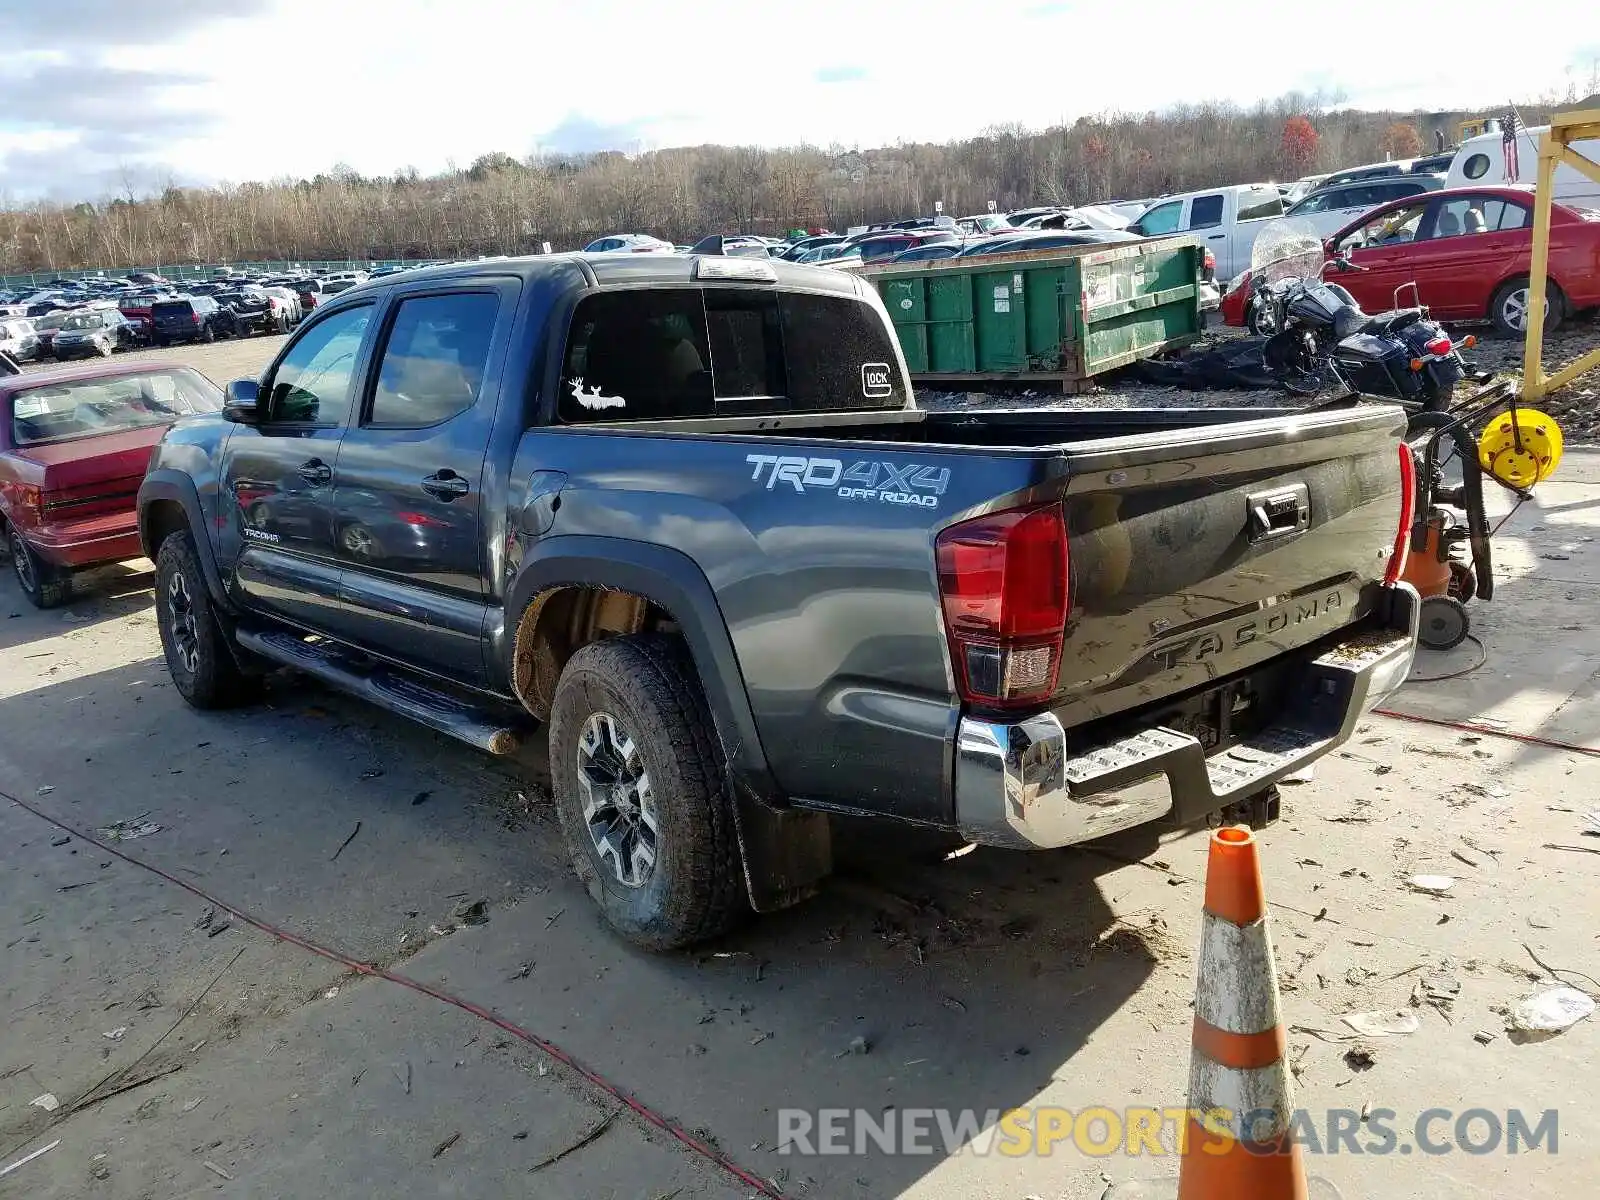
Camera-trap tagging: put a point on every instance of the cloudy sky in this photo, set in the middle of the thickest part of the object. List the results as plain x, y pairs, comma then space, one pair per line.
95, 92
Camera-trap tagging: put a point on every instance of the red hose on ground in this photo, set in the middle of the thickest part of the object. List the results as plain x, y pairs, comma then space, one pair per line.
638, 1107
1468, 727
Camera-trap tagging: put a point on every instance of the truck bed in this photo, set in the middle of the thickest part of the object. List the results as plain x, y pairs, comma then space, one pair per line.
1171, 590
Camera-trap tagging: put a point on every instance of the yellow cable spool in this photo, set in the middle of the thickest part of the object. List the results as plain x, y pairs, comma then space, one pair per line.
1520, 449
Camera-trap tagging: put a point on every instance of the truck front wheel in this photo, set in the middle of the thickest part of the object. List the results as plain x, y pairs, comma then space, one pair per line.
202, 664
640, 790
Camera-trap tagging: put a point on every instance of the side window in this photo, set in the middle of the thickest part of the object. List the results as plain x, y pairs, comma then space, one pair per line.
1163, 218
1468, 215
636, 356
1257, 203
312, 382
746, 345
839, 353
1509, 216
1476, 166
1390, 228
1324, 201
434, 359
1205, 212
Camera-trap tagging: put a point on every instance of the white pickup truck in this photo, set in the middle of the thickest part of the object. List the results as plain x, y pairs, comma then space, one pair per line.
1226, 219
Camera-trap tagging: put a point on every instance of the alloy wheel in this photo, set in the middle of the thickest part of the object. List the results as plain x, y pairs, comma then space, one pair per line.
185, 632
359, 542
619, 807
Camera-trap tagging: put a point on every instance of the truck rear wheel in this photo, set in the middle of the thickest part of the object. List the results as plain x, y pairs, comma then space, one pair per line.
199, 658
640, 790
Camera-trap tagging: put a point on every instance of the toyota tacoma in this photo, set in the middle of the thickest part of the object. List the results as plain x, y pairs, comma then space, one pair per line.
683, 514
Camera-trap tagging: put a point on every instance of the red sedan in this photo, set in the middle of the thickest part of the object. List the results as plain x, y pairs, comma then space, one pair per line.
1468, 252
74, 443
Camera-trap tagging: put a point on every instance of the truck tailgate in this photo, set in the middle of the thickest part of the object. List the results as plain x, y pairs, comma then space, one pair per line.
1191, 560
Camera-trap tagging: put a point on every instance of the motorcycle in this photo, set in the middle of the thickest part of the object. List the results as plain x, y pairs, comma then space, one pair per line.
1311, 324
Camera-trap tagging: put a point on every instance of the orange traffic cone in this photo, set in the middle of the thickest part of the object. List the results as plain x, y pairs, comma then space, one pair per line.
1238, 1078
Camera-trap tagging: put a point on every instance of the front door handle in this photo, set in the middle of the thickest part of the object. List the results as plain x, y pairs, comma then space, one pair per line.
316, 472
445, 485
1216, 237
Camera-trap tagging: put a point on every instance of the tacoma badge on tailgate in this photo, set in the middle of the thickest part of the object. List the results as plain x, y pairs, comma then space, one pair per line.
1319, 606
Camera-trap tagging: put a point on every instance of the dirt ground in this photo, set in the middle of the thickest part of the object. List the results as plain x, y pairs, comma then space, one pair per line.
991, 980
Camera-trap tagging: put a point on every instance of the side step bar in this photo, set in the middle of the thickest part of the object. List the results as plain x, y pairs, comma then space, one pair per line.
378, 685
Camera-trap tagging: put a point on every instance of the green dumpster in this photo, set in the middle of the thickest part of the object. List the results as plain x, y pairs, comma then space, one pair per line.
1060, 315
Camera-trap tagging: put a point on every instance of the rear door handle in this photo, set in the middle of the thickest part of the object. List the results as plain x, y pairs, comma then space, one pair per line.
1216, 237
445, 485
316, 471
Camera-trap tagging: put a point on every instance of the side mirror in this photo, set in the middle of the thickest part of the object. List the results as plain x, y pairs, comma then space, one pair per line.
241, 400
1343, 264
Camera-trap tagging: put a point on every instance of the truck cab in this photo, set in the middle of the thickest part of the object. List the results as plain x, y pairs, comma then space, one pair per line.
1227, 219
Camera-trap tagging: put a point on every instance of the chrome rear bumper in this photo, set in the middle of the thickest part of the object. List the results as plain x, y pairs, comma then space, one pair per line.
1016, 786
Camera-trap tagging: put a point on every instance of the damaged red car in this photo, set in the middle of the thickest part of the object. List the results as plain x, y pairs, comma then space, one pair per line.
74, 443
1467, 250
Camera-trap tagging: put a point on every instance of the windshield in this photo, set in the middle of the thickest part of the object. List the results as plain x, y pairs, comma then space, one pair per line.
1287, 249
51, 320
85, 407
84, 321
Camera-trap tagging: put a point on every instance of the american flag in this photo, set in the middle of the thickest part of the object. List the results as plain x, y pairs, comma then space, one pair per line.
1508, 138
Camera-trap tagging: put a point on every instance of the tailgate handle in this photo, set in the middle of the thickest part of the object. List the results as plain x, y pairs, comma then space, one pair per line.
1279, 513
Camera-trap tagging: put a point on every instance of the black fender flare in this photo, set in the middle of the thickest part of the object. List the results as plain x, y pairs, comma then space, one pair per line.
785, 852
166, 484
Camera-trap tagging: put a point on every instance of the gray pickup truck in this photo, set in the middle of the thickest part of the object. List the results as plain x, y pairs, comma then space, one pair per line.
683, 512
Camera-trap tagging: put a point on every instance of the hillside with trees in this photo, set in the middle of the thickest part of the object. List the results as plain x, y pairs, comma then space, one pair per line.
501, 204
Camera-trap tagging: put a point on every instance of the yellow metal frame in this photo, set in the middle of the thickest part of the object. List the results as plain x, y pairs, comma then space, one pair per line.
1555, 149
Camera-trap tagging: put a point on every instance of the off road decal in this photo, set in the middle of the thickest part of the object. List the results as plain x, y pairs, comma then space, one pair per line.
869, 479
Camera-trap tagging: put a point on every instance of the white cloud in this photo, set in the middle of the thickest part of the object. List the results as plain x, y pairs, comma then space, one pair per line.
382, 84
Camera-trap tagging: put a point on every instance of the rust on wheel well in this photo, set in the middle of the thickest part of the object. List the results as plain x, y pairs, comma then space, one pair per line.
561, 620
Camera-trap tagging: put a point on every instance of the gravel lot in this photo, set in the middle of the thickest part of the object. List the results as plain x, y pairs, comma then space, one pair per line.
988, 981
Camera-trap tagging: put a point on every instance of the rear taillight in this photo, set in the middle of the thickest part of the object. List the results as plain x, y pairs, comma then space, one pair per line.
1408, 513
1003, 585
1439, 345
195, 317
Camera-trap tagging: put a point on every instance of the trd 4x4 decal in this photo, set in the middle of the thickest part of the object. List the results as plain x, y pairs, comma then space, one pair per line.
868, 479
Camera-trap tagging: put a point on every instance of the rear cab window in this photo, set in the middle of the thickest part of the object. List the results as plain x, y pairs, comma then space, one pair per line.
676, 353
1258, 203
1205, 212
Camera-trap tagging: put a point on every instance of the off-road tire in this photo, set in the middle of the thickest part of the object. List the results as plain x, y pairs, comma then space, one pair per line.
215, 680
44, 584
1555, 306
695, 889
